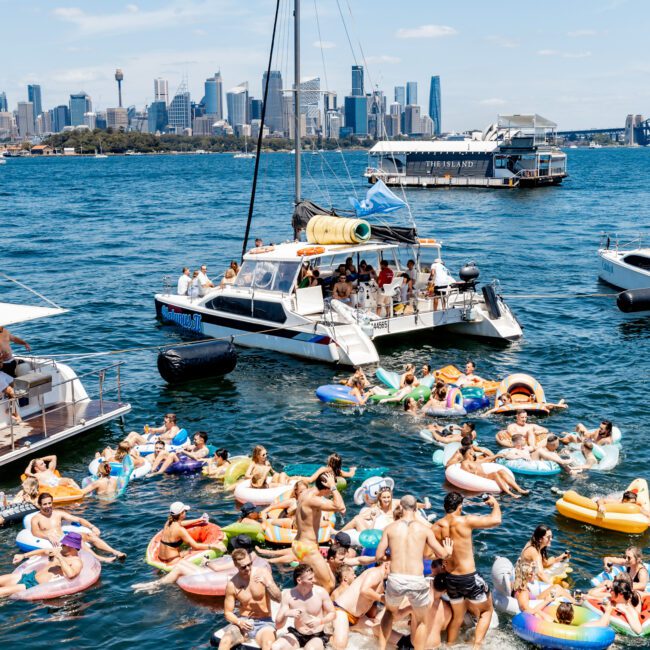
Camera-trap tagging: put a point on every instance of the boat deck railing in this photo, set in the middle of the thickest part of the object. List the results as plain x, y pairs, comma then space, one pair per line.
104, 388
610, 242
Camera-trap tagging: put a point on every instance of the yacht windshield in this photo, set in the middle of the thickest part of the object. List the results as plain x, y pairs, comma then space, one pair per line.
270, 276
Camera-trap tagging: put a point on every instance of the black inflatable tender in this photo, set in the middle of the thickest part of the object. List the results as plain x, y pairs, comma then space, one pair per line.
633, 300
197, 361
14, 514
491, 301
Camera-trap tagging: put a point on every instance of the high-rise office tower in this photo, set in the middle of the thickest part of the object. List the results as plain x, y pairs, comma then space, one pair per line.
309, 98
412, 122
60, 118
80, 104
25, 119
356, 114
329, 101
411, 93
400, 96
117, 118
273, 118
237, 101
254, 109
213, 98
4, 107
357, 81
434, 105
161, 91
180, 110
34, 96
157, 119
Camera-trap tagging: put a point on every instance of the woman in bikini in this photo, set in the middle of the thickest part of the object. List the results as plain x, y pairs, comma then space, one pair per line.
536, 551
335, 466
473, 464
260, 472
634, 567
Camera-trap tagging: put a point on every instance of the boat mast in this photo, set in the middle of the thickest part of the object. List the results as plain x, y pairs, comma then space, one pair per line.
296, 108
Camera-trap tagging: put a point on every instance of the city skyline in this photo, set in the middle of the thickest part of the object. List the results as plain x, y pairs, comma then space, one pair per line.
581, 70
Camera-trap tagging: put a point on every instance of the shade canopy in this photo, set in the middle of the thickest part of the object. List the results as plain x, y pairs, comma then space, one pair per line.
11, 314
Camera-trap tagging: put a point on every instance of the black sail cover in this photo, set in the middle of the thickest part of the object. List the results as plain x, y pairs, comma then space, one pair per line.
305, 210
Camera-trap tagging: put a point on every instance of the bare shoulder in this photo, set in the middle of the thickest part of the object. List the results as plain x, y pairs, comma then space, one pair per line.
321, 593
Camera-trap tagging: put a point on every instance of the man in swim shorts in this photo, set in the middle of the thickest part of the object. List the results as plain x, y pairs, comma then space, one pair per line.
521, 425
311, 505
311, 609
48, 521
64, 562
549, 451
407, 539
252, 588
466, 588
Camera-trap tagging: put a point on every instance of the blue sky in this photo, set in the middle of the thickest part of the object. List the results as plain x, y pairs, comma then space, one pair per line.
581, 63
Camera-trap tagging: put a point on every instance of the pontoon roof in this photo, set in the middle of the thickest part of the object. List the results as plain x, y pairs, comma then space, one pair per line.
525, 122
428, 146
11, 314
289, 252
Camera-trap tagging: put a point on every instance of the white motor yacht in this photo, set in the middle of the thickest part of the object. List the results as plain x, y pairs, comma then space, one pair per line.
624, 268
50, 398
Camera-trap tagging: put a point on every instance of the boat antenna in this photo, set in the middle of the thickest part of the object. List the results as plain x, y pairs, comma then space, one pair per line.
296, 107
260, 135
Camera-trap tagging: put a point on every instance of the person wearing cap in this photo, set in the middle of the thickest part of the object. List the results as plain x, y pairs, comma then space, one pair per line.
251, 589
250, 514
64, 562
174, 536
48, 521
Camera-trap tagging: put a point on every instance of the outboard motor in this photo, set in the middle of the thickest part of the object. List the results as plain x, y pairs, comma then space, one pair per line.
469, 274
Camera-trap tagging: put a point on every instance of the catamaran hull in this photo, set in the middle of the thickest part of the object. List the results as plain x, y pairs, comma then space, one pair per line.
615, 272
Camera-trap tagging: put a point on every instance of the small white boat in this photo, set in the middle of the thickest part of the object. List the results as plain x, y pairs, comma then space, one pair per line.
624, 268
3, 161
51, 399
245, 154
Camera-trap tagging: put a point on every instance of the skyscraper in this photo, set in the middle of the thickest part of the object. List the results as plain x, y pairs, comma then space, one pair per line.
180, 111
357, 81
4, 108
25, 119
34, 96
412, 121
411, 93
213, 98
237, 100
273, 117
80, 104
161, 90
356, 114
309, 98
254, 109
157, 119
117, 118
60, 118
434, 105
400, 96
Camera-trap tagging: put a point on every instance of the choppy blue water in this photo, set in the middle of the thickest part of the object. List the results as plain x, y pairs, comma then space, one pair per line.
98, 235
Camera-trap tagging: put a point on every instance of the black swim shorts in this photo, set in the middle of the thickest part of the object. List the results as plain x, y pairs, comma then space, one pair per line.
470, 586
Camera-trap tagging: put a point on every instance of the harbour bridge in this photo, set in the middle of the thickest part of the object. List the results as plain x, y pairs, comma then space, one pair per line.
641, 133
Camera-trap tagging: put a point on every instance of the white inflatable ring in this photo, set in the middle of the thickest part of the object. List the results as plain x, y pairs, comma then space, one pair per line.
259, 496
467, 481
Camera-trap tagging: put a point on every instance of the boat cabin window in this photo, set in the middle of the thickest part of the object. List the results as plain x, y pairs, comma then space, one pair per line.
266, 275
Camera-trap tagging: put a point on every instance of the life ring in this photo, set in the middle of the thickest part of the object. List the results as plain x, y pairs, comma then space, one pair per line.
310, 250
426, 240
261, 249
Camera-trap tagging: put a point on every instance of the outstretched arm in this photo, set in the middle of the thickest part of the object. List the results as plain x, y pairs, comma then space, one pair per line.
486, 521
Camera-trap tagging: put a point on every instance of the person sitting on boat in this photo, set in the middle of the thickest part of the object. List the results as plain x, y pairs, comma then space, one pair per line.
63, 562
106, 485
205, 284
350, 269
406, 288
628, 497
234, 266
548, 451
229, 277
260, 472
472, 463
343, 290
634, 567
165, 433
7, 389
198, 451
43, 469
364, 272
259, 242
601, 436
195, 288
219, 463
536, 551
525, 573
7, 362
184, 281
533, 433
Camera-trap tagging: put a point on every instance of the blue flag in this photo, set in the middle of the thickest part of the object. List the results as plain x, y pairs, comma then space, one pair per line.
379, 200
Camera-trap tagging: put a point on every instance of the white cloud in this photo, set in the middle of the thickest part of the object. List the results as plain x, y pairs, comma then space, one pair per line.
565, 55
579, 33
325, 45
79, 75
131, 19
493, 101
383, 58
503, 41
426, 31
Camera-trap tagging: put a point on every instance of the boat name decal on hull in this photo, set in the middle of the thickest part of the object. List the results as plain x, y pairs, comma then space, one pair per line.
187, 321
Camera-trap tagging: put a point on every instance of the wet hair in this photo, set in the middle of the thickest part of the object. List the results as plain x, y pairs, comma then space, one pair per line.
104, 469
517, 438
398, 512
452, 501
222, 453
408, 502
171, 417
440, 582
466, 441
472, 362
335, 550
42, 496
536, 539
257, 452
465, 449
621, 588
407, 403
441, 389
202, 434
552, 438
122, 450
629, 496
300, 571
297, 484
30, 487
524, 573
238, 555
334, 462
470, 425
320, 482
564, 613
608, 427
636, 552
409, 379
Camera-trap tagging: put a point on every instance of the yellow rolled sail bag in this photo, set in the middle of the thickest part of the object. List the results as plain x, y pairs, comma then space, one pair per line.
325, 229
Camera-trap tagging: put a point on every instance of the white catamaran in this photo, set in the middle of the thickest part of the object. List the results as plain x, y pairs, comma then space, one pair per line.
266, 308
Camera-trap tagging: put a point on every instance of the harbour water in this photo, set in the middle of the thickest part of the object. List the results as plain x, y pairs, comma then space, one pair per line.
97, 236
